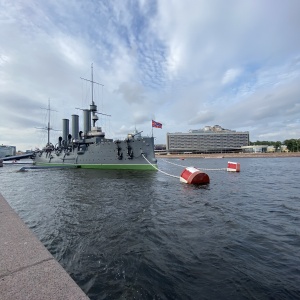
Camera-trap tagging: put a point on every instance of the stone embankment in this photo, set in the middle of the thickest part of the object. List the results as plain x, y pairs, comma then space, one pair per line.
27, 269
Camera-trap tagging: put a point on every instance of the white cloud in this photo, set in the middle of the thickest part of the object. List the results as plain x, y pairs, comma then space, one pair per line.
230, 76
185, 64
132, 93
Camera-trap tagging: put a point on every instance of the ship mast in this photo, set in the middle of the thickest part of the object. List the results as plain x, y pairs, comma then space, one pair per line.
93, 107
92, 82
48, 128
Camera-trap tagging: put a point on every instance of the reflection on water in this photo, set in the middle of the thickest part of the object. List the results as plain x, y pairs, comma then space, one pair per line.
145, 235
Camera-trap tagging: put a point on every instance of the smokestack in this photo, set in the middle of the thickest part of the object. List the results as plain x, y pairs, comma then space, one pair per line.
65, 129
86, 121
75, 127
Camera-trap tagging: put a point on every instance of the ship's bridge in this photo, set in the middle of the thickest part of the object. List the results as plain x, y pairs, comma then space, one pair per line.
96, 132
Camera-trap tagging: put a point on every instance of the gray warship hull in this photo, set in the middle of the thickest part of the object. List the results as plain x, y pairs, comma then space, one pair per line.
129, 154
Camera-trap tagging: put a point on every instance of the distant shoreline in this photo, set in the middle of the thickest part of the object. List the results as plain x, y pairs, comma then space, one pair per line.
231, 155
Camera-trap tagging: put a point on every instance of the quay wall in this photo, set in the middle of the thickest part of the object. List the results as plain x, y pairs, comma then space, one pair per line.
27, 269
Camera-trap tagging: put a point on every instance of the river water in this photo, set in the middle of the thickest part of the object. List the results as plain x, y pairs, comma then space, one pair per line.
145, 235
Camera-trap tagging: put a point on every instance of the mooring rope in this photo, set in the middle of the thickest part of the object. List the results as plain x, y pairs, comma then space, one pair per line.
221, 169
159, 169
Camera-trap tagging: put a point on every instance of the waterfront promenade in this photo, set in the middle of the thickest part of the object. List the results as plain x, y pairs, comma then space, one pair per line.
27, 269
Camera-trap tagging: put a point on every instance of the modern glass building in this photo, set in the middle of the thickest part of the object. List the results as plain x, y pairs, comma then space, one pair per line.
7, 150
210, 139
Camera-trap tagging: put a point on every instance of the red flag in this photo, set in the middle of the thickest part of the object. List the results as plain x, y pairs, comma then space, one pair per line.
156, 124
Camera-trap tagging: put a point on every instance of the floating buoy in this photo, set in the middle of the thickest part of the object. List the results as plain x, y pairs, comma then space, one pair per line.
192, 175
233, 167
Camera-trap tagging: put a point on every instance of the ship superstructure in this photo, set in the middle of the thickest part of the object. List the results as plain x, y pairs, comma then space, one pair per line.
91, 149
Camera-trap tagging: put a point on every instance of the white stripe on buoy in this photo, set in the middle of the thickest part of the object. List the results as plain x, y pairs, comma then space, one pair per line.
233, 167
191, 175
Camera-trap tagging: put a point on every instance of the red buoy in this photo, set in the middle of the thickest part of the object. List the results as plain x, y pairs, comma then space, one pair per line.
233, 167
192, 175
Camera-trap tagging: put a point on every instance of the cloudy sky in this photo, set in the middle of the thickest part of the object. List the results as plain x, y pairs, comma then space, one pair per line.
186, 64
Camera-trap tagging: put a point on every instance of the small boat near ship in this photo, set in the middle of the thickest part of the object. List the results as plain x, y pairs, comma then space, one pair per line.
90, 148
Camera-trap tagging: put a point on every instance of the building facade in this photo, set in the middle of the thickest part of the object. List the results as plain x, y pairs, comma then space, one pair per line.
256, 149
210, 139
7, 150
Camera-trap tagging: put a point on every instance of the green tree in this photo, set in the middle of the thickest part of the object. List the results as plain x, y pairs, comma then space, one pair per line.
277, 146
291, 144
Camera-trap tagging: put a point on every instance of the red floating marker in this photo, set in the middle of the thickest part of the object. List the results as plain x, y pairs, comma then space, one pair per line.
233, 167
192, 175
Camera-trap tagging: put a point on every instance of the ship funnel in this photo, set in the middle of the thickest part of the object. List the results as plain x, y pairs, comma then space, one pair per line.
75, 127
86, 121
65, 129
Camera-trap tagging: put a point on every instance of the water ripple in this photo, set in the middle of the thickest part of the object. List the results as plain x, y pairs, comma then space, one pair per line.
143, 235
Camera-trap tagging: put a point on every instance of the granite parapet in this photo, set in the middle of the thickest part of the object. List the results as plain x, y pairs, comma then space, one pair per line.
27, 268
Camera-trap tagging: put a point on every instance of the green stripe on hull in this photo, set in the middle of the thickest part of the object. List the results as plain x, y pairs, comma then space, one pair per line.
104, 166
